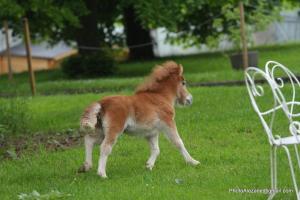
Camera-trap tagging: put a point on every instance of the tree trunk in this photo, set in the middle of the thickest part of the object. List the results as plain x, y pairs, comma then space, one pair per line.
87, 34
138, 39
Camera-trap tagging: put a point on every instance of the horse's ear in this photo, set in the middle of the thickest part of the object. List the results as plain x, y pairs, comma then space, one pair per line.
180, 70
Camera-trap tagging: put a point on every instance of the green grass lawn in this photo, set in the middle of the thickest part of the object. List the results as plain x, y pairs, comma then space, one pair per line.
220, 129
207, 67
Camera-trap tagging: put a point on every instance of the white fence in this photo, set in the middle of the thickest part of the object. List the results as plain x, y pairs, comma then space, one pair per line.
287, 30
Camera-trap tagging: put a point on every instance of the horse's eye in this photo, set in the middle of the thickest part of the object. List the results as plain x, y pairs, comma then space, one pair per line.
183, 82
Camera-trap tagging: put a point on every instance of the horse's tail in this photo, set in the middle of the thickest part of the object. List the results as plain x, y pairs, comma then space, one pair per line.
89, 118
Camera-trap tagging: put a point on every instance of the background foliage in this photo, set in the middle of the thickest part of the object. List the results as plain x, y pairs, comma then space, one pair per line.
92, 22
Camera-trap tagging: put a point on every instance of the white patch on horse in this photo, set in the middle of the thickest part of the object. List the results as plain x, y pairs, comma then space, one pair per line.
143, 130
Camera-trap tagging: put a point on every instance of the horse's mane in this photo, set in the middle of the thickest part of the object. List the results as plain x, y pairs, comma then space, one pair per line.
159, 74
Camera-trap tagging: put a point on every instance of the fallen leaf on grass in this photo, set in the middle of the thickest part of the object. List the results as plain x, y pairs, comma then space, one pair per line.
178, 181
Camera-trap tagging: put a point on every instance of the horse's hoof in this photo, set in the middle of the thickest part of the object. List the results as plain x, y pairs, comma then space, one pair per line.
84, 168
149, 166
194, 162
102, 175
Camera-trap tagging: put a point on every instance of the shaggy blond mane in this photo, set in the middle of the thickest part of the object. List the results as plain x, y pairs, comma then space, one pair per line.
159, 73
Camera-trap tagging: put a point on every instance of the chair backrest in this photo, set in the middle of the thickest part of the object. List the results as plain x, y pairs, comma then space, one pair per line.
276, 85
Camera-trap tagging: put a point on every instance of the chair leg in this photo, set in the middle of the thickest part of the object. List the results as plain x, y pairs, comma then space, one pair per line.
292, 171
297, 155
273, 162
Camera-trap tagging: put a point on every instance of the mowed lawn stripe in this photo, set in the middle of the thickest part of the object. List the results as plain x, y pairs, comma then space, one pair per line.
207, 67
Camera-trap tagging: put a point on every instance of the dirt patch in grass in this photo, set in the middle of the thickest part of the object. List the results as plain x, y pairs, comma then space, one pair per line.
14, 147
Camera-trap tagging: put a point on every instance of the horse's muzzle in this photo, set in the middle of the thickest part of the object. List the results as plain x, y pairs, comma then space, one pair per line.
189, 100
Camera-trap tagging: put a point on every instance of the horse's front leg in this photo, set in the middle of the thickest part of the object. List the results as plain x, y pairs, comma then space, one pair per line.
154, 148
172, 134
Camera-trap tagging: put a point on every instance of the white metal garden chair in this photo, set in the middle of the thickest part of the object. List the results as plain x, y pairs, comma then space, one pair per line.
280, 103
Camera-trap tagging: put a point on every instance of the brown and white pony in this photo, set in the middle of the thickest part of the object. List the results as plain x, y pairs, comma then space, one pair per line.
146, 113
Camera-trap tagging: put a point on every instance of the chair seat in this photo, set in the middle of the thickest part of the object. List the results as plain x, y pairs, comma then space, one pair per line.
287, 140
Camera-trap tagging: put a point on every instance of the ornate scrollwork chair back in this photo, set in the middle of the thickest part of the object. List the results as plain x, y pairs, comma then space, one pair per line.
280, 101
287, 102
256, 90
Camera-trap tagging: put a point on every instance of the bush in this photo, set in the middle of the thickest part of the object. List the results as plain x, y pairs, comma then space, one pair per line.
100, 63
15, 116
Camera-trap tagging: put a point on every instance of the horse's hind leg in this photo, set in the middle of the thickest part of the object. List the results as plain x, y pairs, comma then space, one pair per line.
89, 141
105, 150
113, 126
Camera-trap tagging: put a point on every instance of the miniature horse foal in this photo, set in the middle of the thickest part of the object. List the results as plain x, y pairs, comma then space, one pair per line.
146, 113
